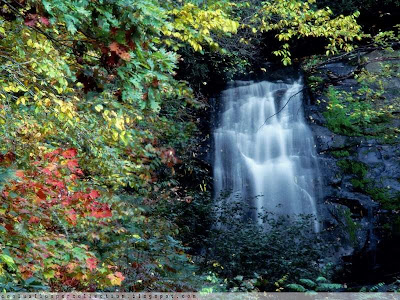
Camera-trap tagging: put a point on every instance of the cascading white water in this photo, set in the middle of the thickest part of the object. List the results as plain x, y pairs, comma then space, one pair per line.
264, 150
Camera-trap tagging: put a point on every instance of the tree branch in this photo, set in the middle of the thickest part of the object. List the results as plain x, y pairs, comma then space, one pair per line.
282, 108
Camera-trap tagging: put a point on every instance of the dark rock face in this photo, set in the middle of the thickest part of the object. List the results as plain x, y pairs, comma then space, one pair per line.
350, 213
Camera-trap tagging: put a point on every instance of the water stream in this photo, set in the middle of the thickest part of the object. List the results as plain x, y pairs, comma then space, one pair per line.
264, 150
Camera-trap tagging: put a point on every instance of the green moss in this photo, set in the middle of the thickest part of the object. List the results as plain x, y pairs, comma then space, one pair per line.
352, 227
390, 203
359, 181
359, 184
353, 167
379, 194
340, 153
314, 82
316, 79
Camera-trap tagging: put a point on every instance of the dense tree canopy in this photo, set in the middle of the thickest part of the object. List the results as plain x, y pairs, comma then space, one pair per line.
98, 126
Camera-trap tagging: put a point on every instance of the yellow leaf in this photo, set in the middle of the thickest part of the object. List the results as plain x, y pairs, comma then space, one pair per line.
98, 107
116, 278
21, 100
115, 135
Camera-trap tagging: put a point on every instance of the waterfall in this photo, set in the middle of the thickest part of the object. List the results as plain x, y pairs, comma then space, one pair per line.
264, 150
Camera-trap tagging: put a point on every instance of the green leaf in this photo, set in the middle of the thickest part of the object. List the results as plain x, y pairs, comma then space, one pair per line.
296, 287
8, 260
49, 274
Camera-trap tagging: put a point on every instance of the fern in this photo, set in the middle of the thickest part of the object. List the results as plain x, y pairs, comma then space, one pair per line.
296, 287
328, 287
308, 283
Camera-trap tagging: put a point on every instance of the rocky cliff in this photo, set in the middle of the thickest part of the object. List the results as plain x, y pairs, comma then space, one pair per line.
353, 109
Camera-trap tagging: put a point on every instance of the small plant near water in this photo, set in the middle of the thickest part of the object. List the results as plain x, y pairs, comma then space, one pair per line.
259, 254
320, 284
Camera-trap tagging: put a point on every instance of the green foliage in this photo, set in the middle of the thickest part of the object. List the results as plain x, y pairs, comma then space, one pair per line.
369, 109
97, 77
296, 288
40, 210
314, 82
387, 38
193, 25
351, 116
353, 167
307, 283
352, 227
340, 153
362, 183
299, 19
321, 284
366, 6
238, 246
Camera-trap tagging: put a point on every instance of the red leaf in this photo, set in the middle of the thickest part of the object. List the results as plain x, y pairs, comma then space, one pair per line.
132, 45
30, 22
33, 220
104, 50
46, 171
155, 82
91, 263
10, 156
44, 21
72, 164
114, 46
41, 195
55, 183
114, 30
66, 202
52, 154
105, 212
32, 19
119, 275
19, 173
94, 194
125, 56
71, 215
70, 153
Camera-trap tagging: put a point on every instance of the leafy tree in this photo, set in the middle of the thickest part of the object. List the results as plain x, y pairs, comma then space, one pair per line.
299, 19
39, 209
97, 78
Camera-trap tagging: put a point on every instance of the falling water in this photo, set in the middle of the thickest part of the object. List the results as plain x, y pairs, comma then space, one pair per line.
264, 150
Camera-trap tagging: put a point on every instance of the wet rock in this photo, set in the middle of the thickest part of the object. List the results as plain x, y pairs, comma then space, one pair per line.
339, 68
361, 235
